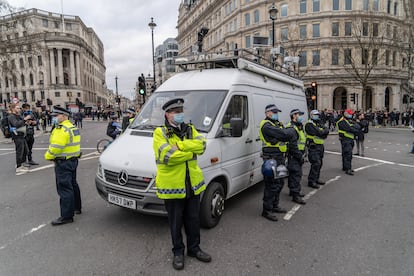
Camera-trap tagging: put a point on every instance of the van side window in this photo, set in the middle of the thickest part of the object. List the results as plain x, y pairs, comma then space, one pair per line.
238, 108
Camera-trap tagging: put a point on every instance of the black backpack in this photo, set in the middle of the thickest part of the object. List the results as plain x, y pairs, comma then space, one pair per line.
5, 127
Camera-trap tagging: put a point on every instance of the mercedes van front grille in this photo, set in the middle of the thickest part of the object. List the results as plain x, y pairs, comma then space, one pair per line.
133, 181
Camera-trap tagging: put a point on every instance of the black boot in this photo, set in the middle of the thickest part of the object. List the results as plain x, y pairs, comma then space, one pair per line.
313, 185
269, 215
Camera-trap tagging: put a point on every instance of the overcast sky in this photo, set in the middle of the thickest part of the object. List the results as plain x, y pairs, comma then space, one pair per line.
122, 25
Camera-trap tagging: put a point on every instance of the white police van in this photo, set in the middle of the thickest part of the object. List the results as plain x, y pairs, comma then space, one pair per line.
225, 105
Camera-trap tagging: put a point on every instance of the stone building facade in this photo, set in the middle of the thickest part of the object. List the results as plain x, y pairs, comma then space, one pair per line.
350, 48
51, 56
164, 60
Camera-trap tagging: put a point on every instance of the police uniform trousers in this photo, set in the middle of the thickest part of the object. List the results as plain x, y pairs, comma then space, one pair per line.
347, 146
185, 212
30, 141
315, 157
272, 188
21, 149
67, 187
295, 175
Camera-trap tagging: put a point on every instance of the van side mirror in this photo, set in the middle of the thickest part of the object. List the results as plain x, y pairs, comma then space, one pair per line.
236, 127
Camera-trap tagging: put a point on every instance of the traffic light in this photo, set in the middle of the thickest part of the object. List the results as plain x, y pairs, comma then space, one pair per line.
141, 85
353, 97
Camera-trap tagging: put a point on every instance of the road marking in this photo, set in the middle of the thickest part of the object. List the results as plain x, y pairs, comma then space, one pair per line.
31, 231
5, 153
368, 166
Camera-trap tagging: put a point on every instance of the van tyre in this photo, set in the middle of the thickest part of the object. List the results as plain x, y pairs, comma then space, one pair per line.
212, 205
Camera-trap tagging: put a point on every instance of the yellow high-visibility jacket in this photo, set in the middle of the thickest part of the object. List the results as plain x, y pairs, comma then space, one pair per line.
64, 142
172, 163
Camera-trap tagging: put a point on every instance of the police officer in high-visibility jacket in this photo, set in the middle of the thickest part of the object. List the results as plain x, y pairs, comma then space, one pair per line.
274, 138
179, 180
64, 150
316, 133
347, 132
296, 149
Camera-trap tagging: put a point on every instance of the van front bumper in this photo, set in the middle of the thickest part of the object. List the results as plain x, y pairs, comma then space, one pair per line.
146, 202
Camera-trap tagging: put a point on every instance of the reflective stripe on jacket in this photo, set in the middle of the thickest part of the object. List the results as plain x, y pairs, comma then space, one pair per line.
343, 133
173, 156
282, 146
316, 139
302, 137
64, 142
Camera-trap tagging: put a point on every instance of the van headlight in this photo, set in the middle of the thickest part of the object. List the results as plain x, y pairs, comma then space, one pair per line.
99, 173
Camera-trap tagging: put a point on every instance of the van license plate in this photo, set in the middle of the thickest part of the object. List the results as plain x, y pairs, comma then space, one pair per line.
122, 201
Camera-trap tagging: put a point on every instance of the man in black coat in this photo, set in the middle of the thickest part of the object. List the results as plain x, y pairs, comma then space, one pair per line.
347, 132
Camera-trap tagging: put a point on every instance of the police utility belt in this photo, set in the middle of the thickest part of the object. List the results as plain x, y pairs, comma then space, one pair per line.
59, 159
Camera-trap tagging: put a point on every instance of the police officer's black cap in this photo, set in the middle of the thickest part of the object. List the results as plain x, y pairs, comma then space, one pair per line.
273, 108
177, 103
296, 111
60, 110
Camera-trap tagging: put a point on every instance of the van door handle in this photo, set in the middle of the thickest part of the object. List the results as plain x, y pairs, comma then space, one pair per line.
249, 141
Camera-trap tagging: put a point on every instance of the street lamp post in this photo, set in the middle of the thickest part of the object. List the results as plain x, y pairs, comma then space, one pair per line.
117, 97
152, 25
272, 15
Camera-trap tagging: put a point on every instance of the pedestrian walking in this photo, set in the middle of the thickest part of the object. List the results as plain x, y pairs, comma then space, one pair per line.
179, 180
296, 149
31, 122
18, 129
360, 137
274, 147
347, 133
64, 150
316, 133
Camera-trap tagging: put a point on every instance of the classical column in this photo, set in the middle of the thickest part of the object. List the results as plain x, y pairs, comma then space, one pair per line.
78, 73
72, 67
52, 66
60, 66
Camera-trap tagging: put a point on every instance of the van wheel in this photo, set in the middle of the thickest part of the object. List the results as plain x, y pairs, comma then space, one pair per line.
212, 205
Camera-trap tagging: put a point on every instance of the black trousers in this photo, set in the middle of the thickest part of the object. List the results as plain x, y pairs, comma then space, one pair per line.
271, 193
21, 150
295, 175
185, 212
315, 156
347, 146
30, 141
67, 187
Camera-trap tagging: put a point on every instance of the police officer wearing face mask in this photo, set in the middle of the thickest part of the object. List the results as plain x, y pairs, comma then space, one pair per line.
347, 133
316, 133
179, 180
296, 149
274, 138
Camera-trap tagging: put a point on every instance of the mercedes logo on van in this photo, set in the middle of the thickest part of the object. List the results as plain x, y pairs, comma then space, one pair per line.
123, 178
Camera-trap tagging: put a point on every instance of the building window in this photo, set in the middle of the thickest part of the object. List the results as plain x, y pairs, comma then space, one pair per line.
30, 61
39, 60
68, 26
365, 5
395, 32
375, 28
284, 34
365, 56
247, 19
388, 31
23, 80
24, 96
302, 32
394, 58
21, 63
42, 94
57, 94
248, 41
56, 24
66, 79
256, 16
45, 23
365, 29
302, 6
316, 5
315, 30
375, 56
387, 57
335, 56
348, 28
32, 96
389, 6
335, 29
302, 59
348, 5
316, 57
15, 82
284, 10
376, 5
31, 79
335, 5
347, 56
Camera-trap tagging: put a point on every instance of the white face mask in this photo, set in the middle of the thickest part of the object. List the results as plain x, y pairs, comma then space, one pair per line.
55, 121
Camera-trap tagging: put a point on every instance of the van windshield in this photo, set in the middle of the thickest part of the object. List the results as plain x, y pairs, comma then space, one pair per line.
200, 109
